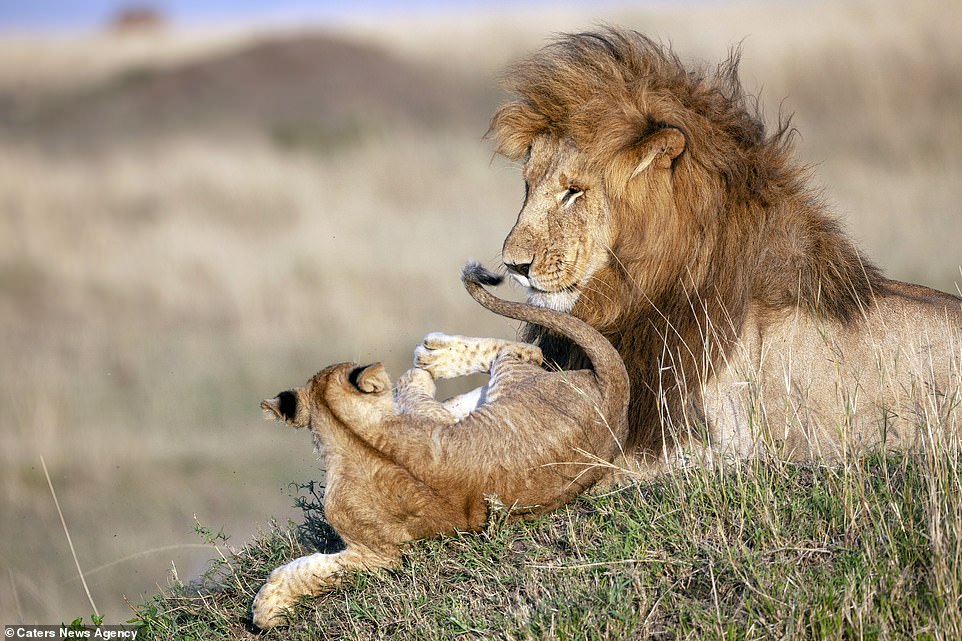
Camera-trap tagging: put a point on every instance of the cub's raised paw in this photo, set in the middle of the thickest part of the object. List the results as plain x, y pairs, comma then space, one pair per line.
414, 382
445, 356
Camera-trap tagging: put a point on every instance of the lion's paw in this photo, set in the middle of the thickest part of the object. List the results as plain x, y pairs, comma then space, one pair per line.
445, 356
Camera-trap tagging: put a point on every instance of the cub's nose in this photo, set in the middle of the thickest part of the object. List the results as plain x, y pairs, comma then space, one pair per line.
521, 269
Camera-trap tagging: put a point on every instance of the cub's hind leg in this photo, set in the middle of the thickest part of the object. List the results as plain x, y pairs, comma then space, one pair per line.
446, 356
307, 576
512, 365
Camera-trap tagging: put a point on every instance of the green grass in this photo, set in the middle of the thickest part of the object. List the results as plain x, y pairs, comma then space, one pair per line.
867, 550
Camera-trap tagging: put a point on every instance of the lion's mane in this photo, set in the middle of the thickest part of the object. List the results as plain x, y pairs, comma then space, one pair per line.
748, 233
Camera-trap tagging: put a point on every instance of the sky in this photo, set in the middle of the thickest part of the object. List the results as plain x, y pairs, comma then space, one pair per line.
87, 15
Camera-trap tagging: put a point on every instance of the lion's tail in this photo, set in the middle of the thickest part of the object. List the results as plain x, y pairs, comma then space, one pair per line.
605, 360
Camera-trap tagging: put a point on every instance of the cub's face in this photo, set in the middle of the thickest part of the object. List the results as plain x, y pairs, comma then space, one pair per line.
343, 393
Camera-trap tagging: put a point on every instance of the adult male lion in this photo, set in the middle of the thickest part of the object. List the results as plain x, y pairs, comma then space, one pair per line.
657, 210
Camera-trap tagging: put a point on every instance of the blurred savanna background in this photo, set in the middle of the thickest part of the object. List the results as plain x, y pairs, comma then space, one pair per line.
201, 208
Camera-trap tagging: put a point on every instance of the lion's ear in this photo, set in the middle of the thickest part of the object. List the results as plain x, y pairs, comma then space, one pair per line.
371, 379
658, 149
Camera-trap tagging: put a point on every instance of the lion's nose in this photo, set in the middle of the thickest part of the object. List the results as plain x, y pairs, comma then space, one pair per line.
521, 269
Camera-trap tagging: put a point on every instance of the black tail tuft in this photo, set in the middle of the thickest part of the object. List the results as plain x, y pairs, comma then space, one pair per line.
474, 272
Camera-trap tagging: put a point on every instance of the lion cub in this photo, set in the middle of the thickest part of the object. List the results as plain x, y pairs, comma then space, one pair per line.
405, 468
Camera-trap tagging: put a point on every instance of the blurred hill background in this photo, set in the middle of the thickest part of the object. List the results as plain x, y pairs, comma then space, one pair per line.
196, 216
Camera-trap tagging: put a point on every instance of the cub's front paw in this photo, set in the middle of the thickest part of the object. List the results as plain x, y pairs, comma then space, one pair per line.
414, 381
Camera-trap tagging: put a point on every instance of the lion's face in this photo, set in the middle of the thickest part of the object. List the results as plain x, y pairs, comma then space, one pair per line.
568, 230
562, 235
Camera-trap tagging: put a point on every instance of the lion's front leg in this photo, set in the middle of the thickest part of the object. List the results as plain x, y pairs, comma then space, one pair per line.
305, 576
446, 356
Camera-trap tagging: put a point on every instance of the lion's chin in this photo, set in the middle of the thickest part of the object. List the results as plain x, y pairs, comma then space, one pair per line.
563, 301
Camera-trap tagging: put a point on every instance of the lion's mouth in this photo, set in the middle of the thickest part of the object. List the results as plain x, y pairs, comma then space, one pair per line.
524, 281
562, 299
533, 286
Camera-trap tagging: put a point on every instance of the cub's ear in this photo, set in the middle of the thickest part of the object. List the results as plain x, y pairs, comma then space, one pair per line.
370, 379
282, 407
658, 149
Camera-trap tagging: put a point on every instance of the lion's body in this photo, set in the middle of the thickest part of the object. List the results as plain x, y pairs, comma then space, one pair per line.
658, 211
797, 387
405, 468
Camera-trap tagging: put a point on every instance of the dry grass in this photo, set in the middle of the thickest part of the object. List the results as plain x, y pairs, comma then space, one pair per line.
152, 292
36, 63
145, 341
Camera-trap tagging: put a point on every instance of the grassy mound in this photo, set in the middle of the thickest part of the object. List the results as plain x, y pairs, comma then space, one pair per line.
867, 550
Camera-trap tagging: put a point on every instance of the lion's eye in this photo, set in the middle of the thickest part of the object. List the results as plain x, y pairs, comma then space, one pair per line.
571, 194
